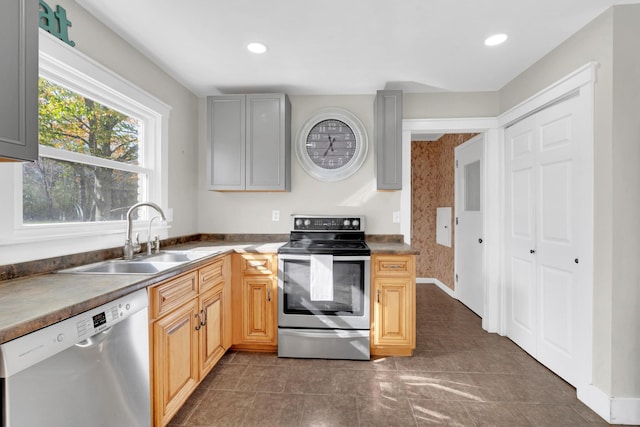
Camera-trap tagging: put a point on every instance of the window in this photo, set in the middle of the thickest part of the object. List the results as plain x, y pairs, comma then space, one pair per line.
103, 144
90, 161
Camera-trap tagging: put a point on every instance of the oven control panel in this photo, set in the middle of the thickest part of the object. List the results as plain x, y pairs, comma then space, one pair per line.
326, 223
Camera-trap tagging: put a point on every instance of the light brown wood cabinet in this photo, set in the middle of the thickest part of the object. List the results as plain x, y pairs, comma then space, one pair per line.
175, 360
254, 306
393, 305
190, 330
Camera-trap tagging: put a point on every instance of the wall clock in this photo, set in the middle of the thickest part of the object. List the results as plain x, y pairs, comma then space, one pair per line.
332, 144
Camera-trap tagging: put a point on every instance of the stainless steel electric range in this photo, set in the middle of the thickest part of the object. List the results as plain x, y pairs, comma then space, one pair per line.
323, 289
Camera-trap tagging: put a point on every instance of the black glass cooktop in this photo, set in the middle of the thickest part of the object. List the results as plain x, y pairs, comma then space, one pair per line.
326, 243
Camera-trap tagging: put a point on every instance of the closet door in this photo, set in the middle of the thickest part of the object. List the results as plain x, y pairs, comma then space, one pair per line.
545, 210
521, 234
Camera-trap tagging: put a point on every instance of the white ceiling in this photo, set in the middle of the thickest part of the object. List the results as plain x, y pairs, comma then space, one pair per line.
344, 46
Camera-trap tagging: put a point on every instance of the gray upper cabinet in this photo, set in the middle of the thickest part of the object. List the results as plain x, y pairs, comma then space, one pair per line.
249, 142
19, 80
388, 139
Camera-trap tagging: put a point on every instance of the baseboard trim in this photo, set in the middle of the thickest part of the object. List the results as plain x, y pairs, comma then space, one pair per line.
439, 284
614, 410
595, 399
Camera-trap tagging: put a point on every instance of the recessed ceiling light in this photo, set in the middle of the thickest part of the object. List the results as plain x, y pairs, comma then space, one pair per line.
257, 47
495, 40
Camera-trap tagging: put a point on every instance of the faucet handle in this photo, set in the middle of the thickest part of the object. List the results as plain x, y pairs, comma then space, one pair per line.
156, 244
136, 245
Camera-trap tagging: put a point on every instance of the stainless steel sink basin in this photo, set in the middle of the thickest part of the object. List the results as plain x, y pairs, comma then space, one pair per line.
123, 267
178, 256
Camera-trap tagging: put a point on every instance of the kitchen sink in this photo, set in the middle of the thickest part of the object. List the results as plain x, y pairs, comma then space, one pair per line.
178, 256
123, 267
142, 264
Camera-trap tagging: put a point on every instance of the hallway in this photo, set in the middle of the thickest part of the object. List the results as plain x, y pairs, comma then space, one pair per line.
459, 376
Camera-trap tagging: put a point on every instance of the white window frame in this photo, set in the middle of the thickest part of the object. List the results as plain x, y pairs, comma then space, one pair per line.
68, 67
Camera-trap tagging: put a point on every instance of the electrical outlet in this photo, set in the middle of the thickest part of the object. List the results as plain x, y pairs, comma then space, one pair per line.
396, 217
275, 215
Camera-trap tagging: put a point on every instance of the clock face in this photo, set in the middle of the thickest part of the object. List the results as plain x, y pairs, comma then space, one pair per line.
331, 144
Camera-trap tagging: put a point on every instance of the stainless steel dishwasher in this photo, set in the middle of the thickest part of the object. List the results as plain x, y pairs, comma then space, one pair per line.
89, 370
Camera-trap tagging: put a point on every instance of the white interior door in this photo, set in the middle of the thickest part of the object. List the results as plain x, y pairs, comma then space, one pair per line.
469, 206
545, 219
521, 231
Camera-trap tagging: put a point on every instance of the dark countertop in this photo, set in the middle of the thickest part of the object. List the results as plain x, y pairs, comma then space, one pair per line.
34, 302
392, 248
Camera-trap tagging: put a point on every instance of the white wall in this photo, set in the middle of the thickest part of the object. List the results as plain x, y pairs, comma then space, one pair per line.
250, 212
101, 44
626, 202
451, 104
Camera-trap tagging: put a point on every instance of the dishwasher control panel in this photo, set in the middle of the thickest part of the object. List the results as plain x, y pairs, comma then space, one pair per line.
23, 352
100, 321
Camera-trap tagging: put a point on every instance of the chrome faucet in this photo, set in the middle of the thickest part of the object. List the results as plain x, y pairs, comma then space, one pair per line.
131, 247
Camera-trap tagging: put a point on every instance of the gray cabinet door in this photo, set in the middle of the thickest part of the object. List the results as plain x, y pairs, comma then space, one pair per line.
268, 142
19, 80
226, 133
249, 142
388, 138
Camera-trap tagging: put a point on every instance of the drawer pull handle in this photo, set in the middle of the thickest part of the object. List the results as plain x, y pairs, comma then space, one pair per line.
394, 266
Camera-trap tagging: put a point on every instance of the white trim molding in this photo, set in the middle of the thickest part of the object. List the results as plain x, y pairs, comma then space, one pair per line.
493, 212
614, 410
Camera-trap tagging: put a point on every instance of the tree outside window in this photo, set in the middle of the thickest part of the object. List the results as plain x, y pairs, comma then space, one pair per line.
90, 173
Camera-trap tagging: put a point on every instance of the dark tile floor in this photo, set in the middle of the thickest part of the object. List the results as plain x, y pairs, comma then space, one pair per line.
459, 376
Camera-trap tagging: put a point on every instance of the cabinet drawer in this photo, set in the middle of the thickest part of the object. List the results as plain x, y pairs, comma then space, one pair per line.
173, 293
211, 275
257, 264
393, 265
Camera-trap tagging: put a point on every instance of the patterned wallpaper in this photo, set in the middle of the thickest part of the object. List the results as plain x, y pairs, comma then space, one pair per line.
433, 186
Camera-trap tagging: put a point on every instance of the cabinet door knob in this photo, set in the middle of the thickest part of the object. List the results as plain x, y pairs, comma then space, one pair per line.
532, 251
268, 294
378, 295
480, 240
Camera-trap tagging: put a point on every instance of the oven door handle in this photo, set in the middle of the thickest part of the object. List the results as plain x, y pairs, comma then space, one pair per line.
287, 257
323, 333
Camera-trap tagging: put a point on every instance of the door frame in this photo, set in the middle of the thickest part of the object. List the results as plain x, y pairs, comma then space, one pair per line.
582, 79
493, 212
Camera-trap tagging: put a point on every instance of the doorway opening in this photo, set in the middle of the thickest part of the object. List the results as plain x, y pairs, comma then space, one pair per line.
432, 187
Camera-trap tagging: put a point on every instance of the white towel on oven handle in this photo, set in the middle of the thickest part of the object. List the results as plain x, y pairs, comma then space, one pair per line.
321, 278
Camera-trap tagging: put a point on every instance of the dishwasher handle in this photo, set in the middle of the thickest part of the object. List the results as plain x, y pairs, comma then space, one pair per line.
95, 339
